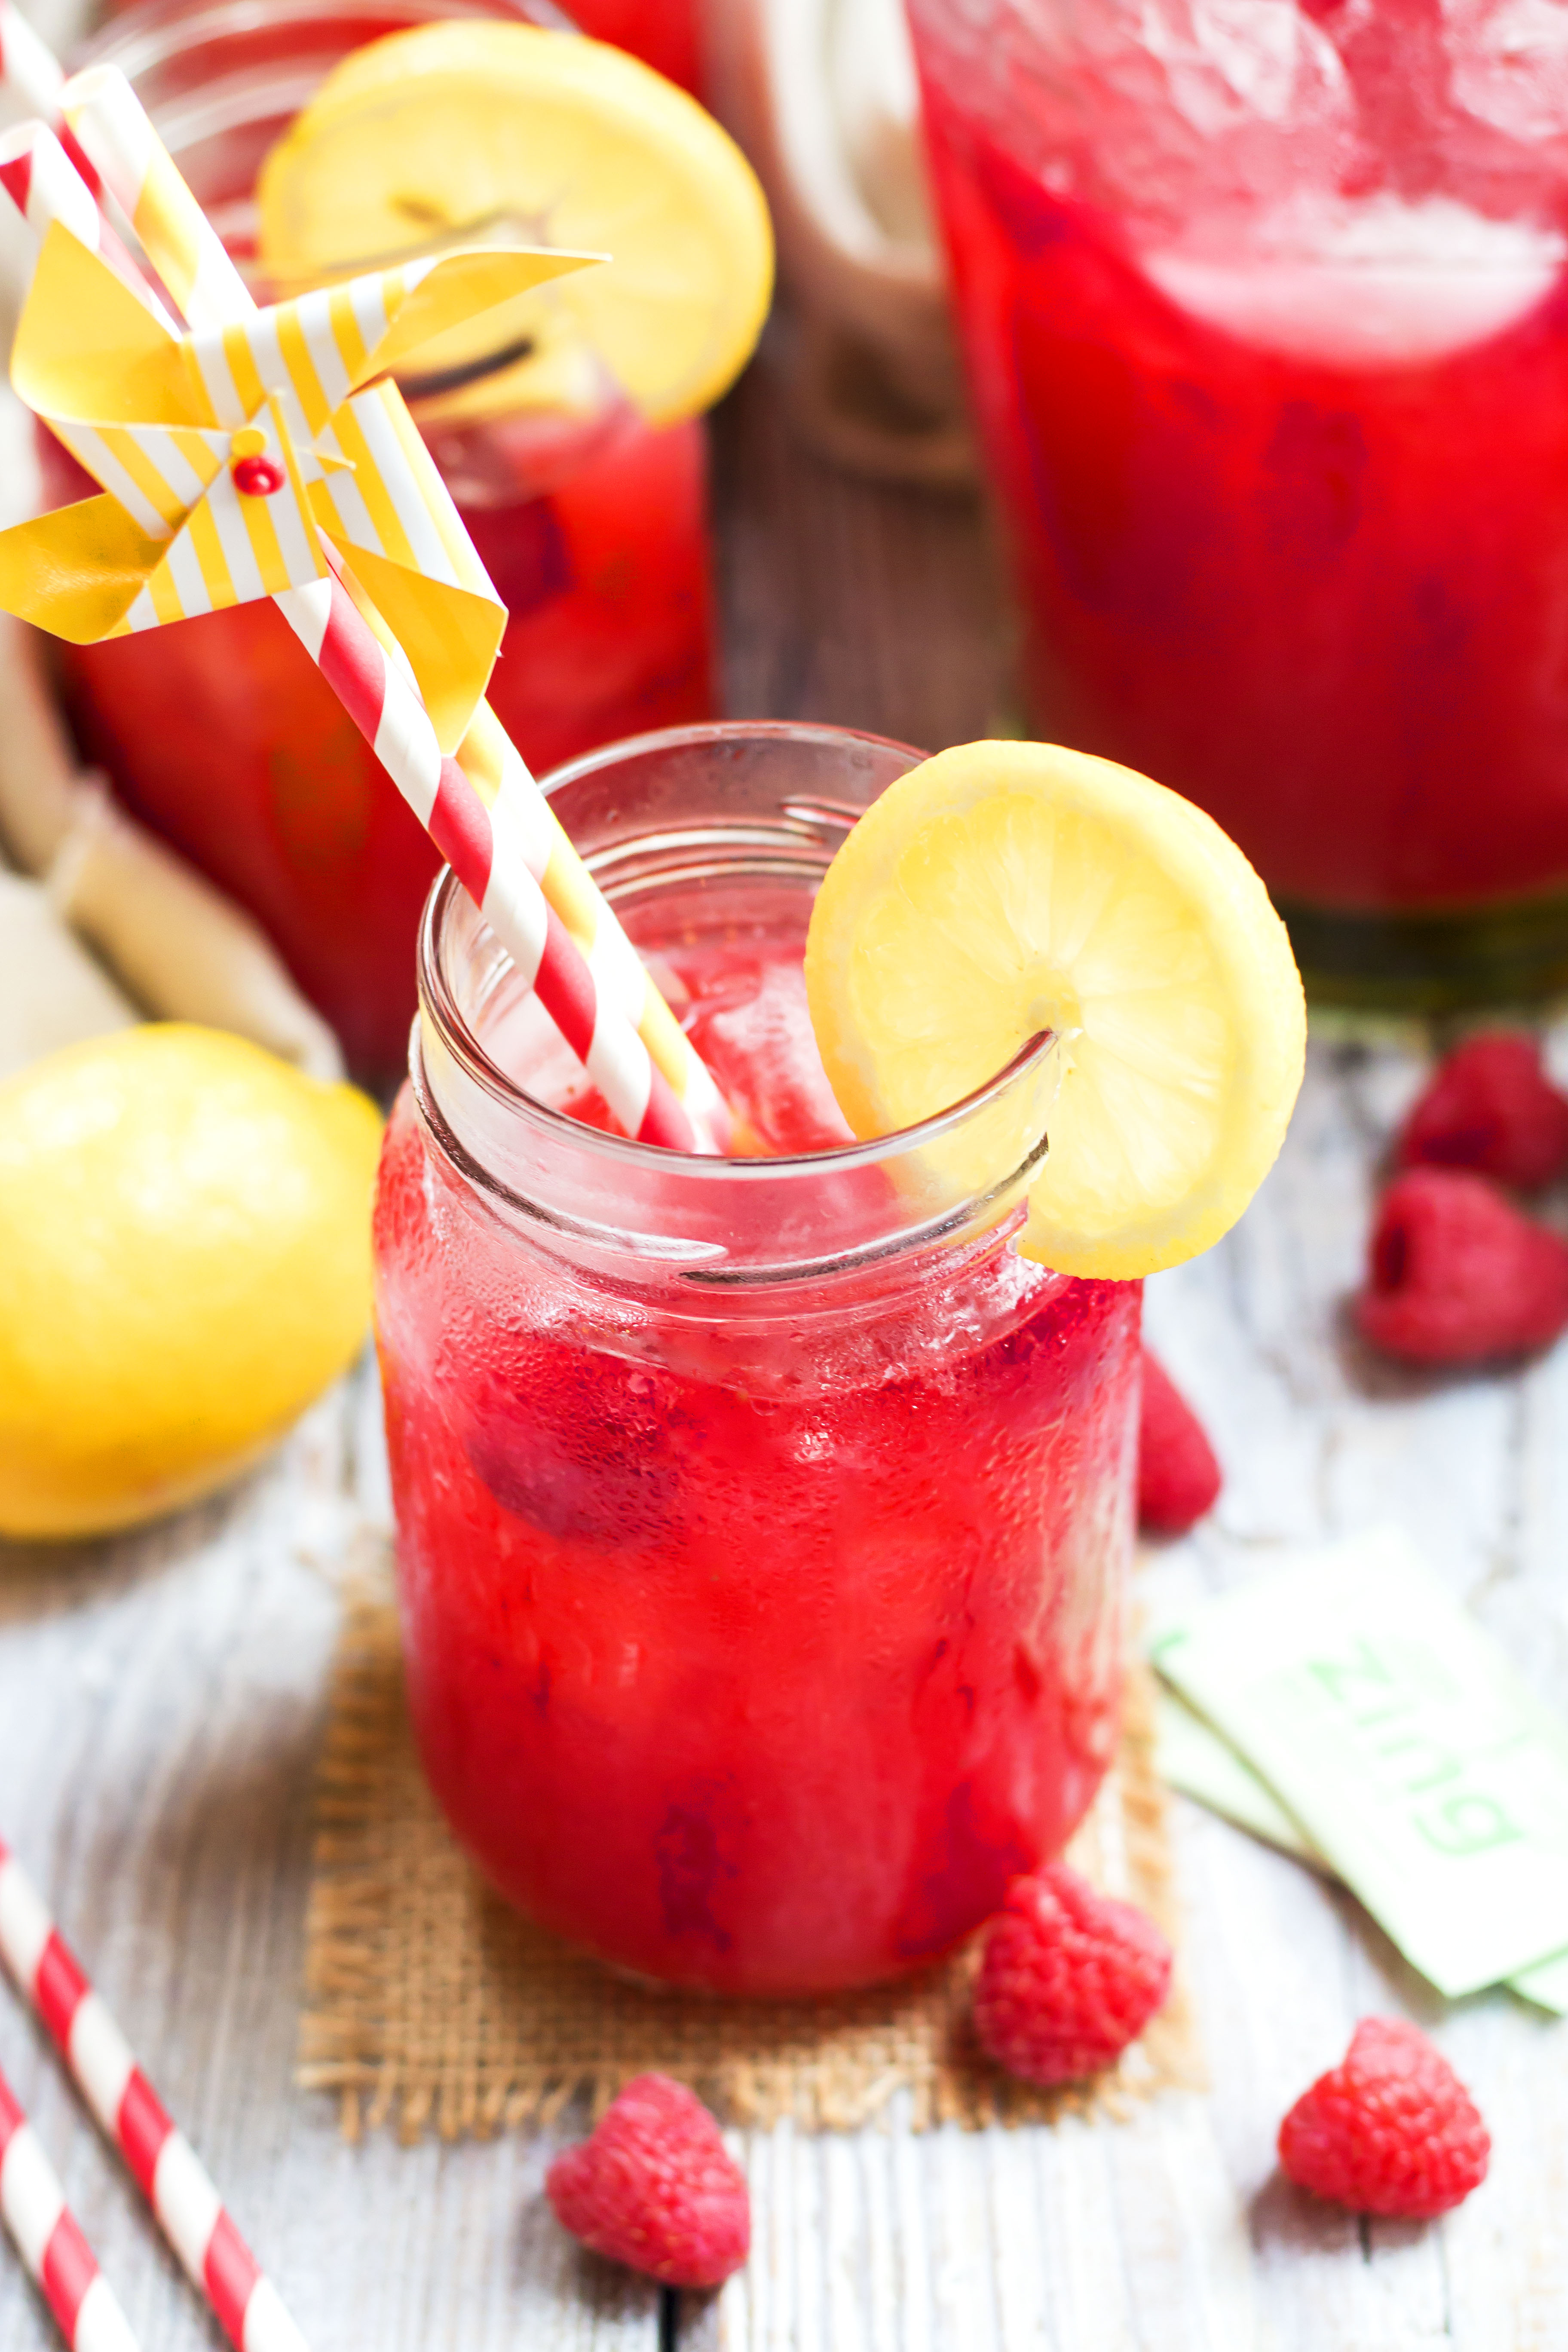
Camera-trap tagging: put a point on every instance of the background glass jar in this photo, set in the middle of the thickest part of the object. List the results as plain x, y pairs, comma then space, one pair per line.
667, 33
222, 736
1267, 331
762, 1524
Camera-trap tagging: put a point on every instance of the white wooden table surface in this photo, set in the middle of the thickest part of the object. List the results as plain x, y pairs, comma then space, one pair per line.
161, 1703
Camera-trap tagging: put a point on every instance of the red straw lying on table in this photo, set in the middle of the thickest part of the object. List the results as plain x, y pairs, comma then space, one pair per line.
480, 806
128, 2111
59, 2258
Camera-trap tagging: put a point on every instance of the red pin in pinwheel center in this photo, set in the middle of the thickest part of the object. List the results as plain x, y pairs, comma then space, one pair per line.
256, 476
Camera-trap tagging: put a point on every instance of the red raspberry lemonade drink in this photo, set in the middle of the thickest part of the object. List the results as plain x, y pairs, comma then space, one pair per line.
1266, 322
666, 34
764, 1522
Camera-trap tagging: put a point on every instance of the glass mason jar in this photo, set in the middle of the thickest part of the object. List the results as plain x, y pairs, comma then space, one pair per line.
221, 734
1266, 322
762, 1524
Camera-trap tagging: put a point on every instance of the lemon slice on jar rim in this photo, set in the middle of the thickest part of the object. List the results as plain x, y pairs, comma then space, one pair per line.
475, 131
1004, 889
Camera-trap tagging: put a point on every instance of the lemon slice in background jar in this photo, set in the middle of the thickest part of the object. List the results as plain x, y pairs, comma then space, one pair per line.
1002, 890
476, 132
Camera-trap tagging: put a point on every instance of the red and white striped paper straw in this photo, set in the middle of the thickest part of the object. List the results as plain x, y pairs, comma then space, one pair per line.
59, 2258
28, 66
29, 69
385, 705
46, 184
553, 921
128, 2111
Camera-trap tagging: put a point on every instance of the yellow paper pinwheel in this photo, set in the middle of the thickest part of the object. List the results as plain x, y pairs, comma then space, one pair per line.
227, 456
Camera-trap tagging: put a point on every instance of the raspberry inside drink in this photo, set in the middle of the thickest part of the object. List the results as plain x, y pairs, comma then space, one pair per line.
1233, 394
763, 1527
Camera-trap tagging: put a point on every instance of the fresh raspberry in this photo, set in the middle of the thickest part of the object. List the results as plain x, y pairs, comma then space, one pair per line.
655, 2188
1069, 1978
1389, 2131
1490, 1106
1178, 1478
1457, 1276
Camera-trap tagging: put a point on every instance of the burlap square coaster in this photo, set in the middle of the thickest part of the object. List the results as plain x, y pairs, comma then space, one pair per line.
430, 2003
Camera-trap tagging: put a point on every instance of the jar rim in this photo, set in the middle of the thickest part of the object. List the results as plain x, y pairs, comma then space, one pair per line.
150, 33
437, 1001
648, 817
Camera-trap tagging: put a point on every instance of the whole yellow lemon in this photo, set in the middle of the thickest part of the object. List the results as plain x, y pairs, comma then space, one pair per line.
184, 1263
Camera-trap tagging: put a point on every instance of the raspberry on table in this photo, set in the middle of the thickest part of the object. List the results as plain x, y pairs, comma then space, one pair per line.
1391, 2129
1489, 1106
655, 2188
1457, 1275
1068, 1978
1178, 1476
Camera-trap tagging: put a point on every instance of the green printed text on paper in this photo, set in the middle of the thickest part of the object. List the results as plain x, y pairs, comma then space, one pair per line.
1399, 1737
